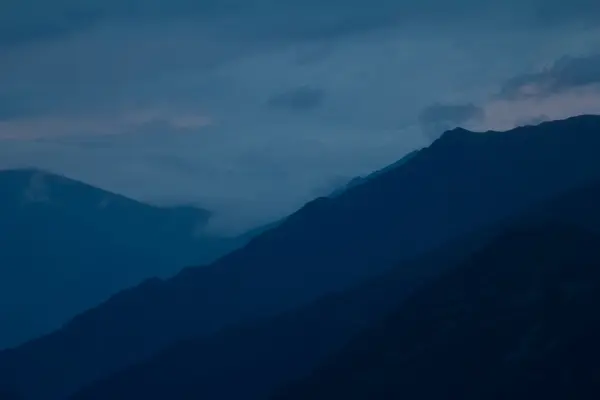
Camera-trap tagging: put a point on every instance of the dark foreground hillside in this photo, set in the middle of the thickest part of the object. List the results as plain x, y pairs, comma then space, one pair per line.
518, 320
260, 357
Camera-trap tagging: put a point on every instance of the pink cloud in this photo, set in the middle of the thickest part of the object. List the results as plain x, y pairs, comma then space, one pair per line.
506, 114
51, 126
45, 127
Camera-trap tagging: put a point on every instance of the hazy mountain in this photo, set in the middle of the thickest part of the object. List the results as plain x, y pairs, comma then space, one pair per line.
260, 356
518, 320
462, 182
67, 246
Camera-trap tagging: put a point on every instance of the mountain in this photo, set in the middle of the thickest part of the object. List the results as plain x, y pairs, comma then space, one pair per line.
262, 355
462, 182
67, 246
360, 180
518, 320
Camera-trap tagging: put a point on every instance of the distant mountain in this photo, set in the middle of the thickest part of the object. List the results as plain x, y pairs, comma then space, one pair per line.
519, 320
263, 355
67, 246
462, 182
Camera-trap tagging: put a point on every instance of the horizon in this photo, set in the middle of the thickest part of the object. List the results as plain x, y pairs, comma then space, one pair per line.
240, 229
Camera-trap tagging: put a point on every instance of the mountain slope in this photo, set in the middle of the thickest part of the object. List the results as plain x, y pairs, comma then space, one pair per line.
359, 180
67, 246
462, 182
260, 356
517, 321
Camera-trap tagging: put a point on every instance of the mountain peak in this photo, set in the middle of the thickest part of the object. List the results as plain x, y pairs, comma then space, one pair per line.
455, 135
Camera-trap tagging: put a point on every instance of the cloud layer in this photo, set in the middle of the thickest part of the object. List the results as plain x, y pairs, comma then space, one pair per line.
30, 20
253, 107
568, 86
565, 74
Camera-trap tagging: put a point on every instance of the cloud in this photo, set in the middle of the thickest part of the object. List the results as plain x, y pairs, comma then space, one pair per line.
30, 20
536, 120
565, 74
301, 99
506, 114
438, 118
79, 57
569, 86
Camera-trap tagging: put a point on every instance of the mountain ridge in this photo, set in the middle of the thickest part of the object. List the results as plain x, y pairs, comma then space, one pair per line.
445, 192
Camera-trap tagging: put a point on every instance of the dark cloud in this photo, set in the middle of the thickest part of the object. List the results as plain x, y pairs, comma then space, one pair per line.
569, 86
552, 12
26, 20
566, 73
438, 118
29, 20
301, 99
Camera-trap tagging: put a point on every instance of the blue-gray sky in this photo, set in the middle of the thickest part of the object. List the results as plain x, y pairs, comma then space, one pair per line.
252, 107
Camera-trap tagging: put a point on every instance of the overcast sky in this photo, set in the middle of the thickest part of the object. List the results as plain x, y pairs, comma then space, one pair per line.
252, 107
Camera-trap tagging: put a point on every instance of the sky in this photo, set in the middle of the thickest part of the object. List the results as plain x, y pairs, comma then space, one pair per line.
252, 107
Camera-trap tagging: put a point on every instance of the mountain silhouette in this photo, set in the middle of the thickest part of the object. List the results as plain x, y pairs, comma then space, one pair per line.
462, 182
67, 246
518, 320
262, 355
